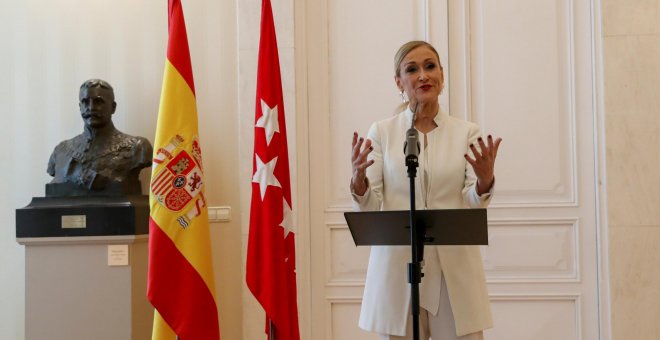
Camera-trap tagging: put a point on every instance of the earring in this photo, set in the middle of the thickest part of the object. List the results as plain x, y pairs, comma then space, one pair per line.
404, 96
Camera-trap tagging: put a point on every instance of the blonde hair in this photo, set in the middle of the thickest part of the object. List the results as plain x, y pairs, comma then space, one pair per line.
406, 48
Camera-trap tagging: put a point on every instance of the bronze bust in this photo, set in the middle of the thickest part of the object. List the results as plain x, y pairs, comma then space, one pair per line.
102, 160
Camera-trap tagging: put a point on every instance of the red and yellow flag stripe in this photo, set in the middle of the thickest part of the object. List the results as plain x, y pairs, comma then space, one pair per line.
180, 282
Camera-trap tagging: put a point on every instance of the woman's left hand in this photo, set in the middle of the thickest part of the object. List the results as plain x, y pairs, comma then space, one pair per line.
483, 163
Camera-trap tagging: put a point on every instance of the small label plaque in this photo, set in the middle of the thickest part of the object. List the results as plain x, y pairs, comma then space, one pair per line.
118, 255
74, 221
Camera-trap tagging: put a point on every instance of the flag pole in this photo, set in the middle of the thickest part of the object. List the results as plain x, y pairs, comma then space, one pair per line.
271, 330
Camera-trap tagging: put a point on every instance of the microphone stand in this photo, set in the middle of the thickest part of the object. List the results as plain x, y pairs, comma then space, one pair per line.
417, 233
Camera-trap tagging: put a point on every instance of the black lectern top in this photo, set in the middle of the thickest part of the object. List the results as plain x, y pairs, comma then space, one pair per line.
443, 227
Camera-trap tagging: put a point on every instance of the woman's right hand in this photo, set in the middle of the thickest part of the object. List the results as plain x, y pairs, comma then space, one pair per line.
360, 164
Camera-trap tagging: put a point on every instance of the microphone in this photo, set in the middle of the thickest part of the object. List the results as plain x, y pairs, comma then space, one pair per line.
411, 145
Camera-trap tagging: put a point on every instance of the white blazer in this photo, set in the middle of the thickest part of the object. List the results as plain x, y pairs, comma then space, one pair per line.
451, 184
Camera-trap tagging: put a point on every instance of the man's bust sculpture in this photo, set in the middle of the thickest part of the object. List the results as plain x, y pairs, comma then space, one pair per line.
102, 160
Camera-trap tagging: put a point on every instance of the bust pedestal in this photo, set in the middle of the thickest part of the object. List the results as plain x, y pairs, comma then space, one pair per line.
86, 268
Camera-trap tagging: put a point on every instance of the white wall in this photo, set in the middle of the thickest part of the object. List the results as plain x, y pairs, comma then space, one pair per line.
631, 50
49, 48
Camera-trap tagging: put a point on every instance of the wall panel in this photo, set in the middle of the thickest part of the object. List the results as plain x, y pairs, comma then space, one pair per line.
522, 77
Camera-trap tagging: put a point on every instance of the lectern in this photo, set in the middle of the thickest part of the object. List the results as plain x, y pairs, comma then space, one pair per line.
443, 227
431, 227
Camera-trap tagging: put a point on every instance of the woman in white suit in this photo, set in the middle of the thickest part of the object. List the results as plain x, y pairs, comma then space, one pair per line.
456, 170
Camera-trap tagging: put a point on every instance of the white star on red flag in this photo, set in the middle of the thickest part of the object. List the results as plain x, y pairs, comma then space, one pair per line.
268, 121
265, 176
287, 219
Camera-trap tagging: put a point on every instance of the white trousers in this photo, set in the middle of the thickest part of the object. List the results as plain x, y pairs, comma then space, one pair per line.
435, 327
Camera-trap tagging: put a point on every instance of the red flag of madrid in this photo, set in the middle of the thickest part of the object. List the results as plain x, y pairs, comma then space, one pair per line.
271, 258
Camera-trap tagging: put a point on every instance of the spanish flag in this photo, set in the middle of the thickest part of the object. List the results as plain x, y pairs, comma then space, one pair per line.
180, 282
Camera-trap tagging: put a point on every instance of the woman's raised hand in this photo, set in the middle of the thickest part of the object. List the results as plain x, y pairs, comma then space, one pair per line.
483, 163
361, 150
